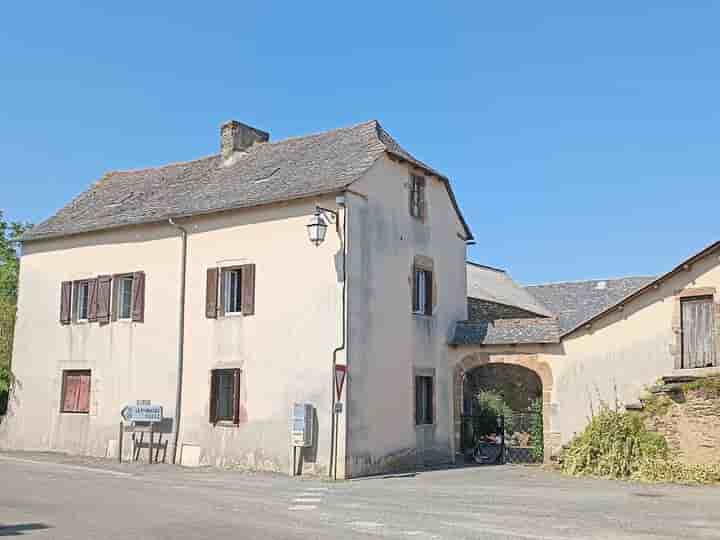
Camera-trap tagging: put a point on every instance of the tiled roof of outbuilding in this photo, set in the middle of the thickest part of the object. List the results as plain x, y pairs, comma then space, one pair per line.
578, 301
266, 173
506, 331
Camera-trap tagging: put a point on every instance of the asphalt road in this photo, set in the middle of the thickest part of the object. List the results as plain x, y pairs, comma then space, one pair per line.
43, 497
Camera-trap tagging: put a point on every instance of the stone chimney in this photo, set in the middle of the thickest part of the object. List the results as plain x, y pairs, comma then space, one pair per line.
237, 137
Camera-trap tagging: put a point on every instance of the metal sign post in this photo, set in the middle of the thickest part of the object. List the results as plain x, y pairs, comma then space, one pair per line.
141, 418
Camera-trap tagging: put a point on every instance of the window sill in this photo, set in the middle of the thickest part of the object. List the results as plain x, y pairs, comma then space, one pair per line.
424, 426
225, 424
421, 315
75, 412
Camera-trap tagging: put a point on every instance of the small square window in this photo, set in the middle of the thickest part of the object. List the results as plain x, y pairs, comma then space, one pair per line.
225, 396
423, 400
232, 290
124, 285
75, 391
82, 299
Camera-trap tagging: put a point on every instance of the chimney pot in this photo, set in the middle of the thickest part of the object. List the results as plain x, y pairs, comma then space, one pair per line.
238, 137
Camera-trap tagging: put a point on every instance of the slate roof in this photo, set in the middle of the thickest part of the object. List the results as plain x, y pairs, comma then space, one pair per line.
495, 285
578, 301
268, 172
506, 331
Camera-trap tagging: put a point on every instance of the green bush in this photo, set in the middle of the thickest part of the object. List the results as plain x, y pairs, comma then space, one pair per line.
536, 429
489, 408
614, 445
6, 383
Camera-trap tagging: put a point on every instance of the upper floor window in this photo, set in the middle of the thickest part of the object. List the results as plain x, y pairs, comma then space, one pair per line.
82, 300
422, 291
103, 298
232, 287
230, 290
417, 196
124, 297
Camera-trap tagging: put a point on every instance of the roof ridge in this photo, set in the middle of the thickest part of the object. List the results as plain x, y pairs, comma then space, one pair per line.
496, 269
269, 143
578, 281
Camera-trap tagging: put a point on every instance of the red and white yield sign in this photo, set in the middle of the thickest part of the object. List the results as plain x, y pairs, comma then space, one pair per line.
340, 372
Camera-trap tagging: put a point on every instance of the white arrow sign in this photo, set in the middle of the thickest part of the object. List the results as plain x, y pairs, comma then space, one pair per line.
142, 413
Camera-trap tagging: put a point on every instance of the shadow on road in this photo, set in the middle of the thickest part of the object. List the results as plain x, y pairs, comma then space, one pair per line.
21, 528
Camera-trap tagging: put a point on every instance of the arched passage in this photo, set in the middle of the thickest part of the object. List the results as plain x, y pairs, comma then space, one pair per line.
466, 373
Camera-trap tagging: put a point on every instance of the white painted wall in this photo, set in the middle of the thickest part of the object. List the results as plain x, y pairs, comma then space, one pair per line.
387, 342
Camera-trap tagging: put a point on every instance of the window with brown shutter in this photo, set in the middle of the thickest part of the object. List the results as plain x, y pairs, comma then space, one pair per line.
417, 196
122, 299
81, 303
65, 301
138, 297
248, 289
92, 300
225, 396
230, 291
75, 396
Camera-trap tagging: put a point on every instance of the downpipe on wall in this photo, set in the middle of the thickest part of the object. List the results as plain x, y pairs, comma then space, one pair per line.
181, 339
332, 472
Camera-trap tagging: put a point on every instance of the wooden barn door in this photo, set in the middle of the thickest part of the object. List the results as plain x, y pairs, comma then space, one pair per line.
698, 347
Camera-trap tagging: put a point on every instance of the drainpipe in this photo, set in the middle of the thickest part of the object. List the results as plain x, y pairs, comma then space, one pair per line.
181, 339
332, 473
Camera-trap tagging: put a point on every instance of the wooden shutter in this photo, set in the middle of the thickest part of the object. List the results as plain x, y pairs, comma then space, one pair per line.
247, 275
83, 400
411, 196
698, 347
92, 306
71, 391
138, 297
65, 301
429, 390
428, 307
103, 299
236, 396
115, 296
213, 396
211, 294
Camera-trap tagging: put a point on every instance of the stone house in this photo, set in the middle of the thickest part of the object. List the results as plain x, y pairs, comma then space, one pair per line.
588, 341
195, 286
230, 288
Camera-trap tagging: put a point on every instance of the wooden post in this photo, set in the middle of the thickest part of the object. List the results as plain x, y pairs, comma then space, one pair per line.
150, 447
120, 441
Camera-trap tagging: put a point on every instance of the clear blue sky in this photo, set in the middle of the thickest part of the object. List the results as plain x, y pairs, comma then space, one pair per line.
582, 138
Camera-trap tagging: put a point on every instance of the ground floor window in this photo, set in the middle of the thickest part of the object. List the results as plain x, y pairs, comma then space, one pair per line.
225, 396
423, 400
75, 391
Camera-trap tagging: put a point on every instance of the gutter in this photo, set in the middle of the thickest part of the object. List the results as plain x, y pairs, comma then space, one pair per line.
332, 473
181, 339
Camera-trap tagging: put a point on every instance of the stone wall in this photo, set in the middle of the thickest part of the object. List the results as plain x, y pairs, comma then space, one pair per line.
690, 422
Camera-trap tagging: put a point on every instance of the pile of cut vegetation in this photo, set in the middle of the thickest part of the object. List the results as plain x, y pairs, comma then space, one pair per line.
618, 444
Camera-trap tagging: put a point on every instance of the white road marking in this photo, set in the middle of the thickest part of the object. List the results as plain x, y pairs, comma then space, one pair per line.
317, 489
366, 524
307, 500
66, 466
302, 507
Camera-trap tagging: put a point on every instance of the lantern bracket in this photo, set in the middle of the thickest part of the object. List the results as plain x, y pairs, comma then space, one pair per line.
330, 215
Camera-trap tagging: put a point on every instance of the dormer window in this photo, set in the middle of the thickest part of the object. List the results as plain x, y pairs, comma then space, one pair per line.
417, 196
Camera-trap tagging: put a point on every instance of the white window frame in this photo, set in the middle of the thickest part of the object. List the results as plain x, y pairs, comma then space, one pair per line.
123, 283
420, 291
82, 285
228, 298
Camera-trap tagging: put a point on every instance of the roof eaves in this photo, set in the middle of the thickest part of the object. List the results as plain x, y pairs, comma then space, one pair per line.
48, 236
652, 285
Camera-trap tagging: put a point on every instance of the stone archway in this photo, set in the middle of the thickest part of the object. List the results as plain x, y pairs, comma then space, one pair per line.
529, 361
